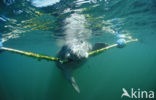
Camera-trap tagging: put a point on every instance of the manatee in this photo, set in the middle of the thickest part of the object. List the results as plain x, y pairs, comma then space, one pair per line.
77, 54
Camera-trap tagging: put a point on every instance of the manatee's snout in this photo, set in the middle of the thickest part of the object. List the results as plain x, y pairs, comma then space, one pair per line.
76, 53
75, 50
78, 50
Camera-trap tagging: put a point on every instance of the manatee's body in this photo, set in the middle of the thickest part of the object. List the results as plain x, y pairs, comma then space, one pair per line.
76, 53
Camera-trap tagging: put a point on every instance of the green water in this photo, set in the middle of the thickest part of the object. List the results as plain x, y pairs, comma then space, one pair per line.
103, 76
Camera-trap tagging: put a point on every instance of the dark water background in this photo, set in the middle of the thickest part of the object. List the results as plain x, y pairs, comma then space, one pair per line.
102, 77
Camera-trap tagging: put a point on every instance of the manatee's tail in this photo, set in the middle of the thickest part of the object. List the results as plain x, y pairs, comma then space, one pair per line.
72, 81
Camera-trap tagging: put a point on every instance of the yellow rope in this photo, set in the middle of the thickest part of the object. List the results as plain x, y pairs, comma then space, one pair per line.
33, 55
58, 59
108, 47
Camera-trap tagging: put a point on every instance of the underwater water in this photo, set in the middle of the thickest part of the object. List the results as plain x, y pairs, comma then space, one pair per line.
43, 26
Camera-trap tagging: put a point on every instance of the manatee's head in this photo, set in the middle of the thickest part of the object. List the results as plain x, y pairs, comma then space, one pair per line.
75, 50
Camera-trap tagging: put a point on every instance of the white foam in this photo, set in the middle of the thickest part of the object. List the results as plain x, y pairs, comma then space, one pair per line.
43, 3
75, 27
76, 35
80, 2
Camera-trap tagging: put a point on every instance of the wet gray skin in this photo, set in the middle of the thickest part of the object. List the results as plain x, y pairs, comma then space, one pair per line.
77, 54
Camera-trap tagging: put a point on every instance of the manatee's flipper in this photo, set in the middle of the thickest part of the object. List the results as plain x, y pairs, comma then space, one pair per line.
72, 81
74, 84
99, 46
